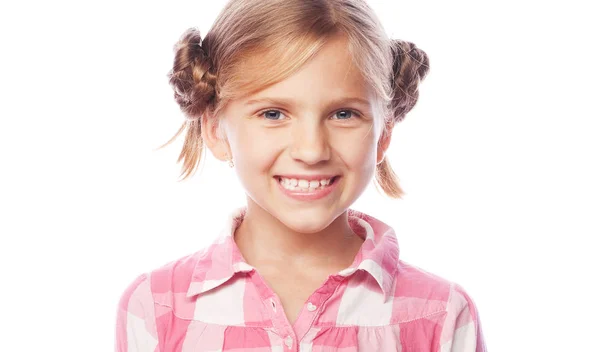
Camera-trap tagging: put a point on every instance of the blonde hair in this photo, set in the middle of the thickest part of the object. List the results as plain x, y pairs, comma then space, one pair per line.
253, 44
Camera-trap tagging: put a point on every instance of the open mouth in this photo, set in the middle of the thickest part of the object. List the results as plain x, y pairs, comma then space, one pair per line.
300, 190
301, 186
331, 180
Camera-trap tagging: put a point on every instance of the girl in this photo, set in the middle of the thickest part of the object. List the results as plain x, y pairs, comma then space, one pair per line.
301, 97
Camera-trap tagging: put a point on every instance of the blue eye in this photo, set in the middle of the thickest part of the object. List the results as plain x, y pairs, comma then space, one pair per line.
348, 112
269, 113
273, 114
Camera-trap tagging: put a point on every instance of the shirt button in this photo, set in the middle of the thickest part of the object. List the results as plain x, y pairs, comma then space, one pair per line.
311, 307
288, 341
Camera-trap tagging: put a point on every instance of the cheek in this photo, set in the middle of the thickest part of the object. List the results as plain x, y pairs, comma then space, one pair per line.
358, 150
360, 157
258, 149
254, 150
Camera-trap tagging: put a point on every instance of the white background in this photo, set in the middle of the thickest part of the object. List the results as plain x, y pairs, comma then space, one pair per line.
499, 160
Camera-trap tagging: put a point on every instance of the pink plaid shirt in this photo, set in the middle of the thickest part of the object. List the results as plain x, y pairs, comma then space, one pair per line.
212, 300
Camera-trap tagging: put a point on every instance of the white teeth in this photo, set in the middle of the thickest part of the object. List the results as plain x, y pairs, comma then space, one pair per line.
303, 185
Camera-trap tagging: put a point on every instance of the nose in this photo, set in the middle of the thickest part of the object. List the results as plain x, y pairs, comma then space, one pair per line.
310, 142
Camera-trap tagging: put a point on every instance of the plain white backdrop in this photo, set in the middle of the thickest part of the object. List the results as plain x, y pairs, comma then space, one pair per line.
499, 161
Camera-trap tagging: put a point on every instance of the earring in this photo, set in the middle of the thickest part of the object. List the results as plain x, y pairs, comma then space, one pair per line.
230, 162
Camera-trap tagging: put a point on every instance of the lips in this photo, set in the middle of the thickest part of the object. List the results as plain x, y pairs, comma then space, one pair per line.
310, 194
308, 177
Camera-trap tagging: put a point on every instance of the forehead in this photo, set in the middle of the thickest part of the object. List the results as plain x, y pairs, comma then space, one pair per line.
329, 74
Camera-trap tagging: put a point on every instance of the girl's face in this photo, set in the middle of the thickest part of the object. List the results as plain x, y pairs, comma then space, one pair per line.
321, 120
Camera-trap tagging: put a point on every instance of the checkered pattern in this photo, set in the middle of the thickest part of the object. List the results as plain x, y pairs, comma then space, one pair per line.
212, 300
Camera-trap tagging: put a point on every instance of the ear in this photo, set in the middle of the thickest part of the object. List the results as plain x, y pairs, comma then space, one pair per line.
383, 144
212, 139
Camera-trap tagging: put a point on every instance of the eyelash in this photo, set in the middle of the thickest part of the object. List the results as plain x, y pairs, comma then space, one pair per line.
354, 113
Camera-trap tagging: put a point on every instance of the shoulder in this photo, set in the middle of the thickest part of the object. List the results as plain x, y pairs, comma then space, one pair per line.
162, 282
434, 291
413, 281
442, 302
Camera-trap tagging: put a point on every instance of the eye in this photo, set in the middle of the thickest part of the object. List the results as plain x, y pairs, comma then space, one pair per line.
346, 114
274, 114
271, 113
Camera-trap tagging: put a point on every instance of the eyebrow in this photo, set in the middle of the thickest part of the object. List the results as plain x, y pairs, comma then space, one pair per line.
290, 102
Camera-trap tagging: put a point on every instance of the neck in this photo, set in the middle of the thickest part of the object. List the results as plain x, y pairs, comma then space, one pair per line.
263, 240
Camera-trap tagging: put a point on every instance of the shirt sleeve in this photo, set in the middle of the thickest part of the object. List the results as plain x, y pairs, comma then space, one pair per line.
461, 331
136, 322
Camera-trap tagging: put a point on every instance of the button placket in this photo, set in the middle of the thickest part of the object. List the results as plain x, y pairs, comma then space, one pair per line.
316, 305
289, 341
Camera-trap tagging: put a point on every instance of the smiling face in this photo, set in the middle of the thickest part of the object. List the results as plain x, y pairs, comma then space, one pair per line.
321, 120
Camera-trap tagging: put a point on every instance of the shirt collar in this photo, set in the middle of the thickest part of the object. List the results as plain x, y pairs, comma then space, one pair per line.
378, 255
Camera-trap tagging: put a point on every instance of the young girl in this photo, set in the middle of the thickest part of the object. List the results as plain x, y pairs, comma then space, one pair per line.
302, 97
